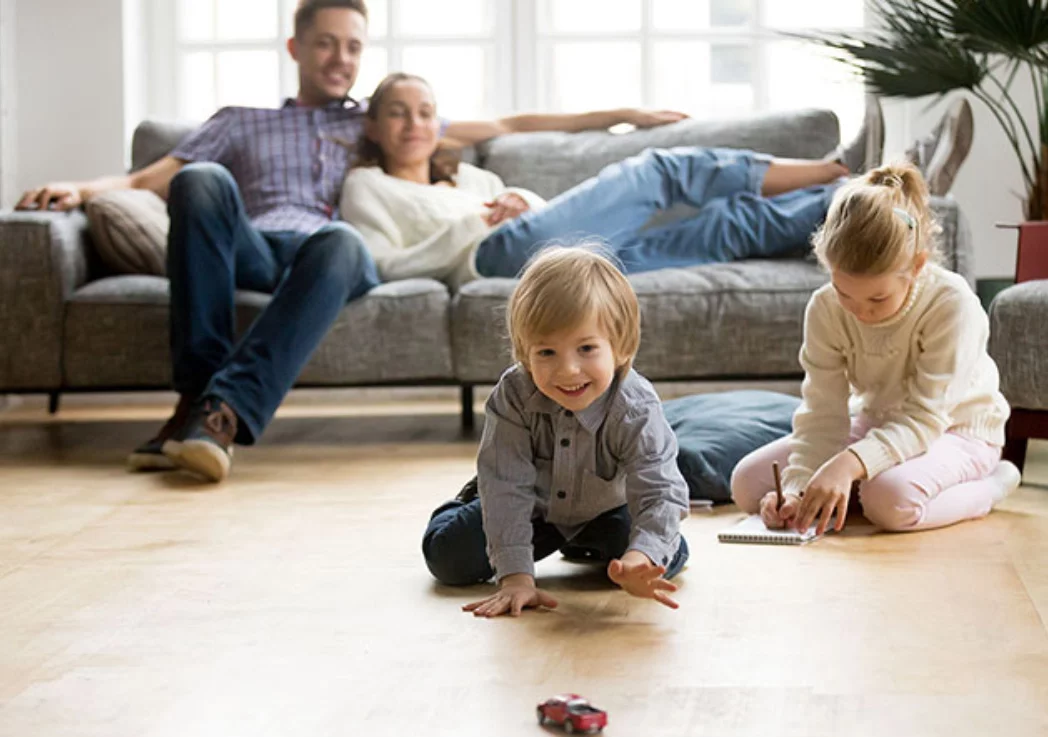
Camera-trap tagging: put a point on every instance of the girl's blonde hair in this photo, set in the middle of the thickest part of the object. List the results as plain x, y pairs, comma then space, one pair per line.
561, 288
878, 223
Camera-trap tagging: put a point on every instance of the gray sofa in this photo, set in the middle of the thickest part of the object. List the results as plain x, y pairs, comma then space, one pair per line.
67, 326
1018, 336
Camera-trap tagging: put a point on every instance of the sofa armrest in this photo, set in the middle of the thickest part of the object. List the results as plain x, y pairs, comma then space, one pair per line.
955, 243
43, 260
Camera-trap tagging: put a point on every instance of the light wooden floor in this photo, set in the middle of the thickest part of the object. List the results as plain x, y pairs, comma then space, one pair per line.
293, 601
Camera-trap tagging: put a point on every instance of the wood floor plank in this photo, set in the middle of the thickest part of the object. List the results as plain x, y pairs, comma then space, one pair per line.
293, 600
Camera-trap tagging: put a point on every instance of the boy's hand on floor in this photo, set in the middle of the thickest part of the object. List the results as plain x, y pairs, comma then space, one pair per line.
775, 517
638, 576
516, 593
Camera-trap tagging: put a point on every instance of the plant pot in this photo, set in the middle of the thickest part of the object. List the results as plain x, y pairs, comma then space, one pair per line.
1031, 261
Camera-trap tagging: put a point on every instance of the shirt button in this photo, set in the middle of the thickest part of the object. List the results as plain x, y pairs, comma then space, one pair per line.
564, 443
562, 495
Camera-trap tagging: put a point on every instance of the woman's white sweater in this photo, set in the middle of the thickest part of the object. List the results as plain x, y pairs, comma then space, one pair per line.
423, 230
921, 373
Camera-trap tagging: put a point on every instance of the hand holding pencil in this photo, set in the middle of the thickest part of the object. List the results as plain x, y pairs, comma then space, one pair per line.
778, 510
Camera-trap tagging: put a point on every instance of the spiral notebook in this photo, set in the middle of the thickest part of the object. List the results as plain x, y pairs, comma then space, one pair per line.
752, 530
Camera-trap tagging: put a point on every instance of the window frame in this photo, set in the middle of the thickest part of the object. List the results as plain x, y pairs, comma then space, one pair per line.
519, 71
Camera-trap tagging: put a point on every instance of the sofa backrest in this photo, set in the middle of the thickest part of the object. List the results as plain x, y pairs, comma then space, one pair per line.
549, 163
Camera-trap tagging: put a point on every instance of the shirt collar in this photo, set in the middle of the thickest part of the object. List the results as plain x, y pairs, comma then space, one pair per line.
590, 418
347, 104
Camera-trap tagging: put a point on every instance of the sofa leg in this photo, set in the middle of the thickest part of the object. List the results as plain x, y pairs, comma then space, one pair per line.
1015, 451
52, 402
1023, 425
468, 420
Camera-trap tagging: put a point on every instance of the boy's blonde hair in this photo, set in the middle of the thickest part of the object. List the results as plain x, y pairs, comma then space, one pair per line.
878, 223
560, 288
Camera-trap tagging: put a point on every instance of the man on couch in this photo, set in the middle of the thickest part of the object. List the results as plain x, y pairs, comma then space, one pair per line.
252, 195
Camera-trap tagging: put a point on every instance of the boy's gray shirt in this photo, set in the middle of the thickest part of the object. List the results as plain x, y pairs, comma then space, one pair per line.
538, 459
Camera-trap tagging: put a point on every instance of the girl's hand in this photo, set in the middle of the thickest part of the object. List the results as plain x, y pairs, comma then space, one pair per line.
638, 576
775, 517
516, 593
829, 491
506, 206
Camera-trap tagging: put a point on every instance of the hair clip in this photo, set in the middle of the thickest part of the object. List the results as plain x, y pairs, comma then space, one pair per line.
905, 217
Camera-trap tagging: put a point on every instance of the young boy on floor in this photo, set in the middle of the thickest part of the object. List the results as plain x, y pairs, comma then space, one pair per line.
576, 449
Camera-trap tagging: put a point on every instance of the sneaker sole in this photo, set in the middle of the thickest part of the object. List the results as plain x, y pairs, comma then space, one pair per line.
199, 457
149, 462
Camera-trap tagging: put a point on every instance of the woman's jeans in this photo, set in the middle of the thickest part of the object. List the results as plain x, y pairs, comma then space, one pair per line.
733, 222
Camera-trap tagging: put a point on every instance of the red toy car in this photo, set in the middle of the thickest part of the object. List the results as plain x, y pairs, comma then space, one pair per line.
572, 712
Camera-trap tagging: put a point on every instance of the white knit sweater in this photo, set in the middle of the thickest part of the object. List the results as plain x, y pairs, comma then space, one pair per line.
915, 376
423, 230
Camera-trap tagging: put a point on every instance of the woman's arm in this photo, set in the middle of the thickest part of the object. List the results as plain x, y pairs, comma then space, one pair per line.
468, 133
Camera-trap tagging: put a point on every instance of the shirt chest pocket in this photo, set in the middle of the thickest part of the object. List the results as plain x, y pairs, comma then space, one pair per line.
600, 494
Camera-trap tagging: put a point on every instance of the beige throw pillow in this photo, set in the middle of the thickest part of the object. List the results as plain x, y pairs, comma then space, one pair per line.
129, 229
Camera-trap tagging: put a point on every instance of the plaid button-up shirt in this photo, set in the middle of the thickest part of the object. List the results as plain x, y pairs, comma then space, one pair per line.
288, 162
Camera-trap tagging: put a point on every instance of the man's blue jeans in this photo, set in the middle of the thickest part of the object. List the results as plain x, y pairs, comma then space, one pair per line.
455, 546
733, 222
212, 251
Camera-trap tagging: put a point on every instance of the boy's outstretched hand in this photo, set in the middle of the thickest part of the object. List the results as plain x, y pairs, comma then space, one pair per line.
516, 593
638, 576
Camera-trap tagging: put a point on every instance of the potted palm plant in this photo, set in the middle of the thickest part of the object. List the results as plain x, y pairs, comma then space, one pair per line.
984, 47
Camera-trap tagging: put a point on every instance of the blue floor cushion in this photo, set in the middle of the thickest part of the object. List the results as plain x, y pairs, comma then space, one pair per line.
716, 431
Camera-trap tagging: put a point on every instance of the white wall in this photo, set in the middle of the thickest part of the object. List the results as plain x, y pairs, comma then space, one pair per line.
8, 149
69, 118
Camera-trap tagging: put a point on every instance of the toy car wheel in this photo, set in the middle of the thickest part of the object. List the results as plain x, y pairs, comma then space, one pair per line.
541, 715
569, 727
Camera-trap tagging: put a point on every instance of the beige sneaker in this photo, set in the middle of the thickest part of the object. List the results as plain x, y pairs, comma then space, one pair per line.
867, 148
940, 154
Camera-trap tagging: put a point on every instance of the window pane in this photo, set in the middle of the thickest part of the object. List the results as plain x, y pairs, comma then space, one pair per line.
593, 75
196, 20
247, 19
697, 15
702, 80
457, 75
447, 18
196, 89
593, 16
814, 14
248, 78
378, 18
803, 75
373, 67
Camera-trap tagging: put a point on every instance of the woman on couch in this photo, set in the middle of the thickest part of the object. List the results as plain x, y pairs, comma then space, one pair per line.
421, 216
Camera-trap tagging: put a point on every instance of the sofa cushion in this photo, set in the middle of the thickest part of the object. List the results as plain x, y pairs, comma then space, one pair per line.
117, 335
1018, 336
549, 163
129, 230
716, 431
715, 321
